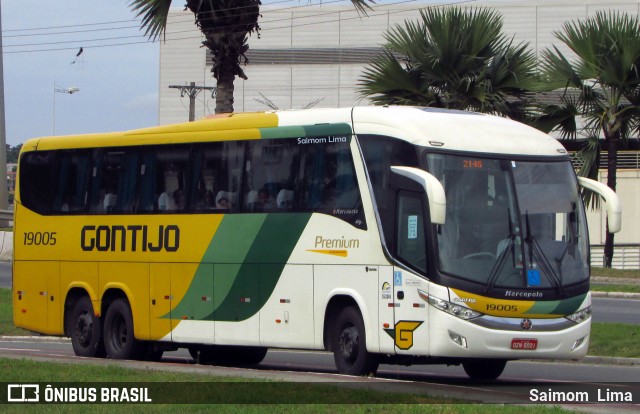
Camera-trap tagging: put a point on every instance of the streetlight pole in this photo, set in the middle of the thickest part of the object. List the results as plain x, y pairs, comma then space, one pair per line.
4, 202
70, 90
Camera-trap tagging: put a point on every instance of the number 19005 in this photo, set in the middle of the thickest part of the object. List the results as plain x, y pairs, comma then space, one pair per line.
39, 238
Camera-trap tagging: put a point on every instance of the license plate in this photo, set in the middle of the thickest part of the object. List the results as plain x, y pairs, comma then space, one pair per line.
524, 344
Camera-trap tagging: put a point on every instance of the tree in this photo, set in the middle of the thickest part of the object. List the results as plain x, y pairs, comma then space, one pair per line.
13, 153
600, 89
453, 58
226, 26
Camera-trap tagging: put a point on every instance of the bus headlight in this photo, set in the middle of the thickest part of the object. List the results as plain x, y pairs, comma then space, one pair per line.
458, 311
580, 316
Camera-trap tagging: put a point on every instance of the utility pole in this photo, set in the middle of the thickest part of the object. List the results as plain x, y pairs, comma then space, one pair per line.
4, 192
192, 91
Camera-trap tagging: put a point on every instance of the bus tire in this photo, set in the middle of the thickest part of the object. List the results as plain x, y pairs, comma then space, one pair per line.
484, 369
242, 355
151, 352
349, 345
119, 340
86, 330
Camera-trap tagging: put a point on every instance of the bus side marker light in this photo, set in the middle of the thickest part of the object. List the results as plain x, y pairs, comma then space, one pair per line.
385, 325
393, 305
24, 310
245, 300
185, 317
458, 339
285, 300
418, 305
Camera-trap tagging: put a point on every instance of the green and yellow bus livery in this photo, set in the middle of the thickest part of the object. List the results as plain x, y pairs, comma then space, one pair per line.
383, 234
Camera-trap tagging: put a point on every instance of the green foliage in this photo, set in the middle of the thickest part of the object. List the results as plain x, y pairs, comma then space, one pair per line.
6, 315
453, 58
12, 153
616, 273
614, 340
601, 85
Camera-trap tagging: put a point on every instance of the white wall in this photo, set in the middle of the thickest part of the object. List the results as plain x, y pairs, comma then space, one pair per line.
182, 60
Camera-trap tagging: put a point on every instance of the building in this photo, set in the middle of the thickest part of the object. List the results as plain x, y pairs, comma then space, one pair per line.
314, 55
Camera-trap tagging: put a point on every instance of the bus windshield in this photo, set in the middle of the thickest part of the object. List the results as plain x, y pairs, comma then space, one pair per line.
511, 224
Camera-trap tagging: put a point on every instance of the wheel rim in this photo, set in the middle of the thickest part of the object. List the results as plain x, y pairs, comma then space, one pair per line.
120, 331
84, 329
349, 344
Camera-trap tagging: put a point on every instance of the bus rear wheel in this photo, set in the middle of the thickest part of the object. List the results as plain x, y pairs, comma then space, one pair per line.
349, 345
119, 340
484, 369
86, 330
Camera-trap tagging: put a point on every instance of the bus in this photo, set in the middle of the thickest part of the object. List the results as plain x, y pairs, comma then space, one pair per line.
393, 235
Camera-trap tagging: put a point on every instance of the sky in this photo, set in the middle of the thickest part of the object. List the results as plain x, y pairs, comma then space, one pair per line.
118, 85
117, 73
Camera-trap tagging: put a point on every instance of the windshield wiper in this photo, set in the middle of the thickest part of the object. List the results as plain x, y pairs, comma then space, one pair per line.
502, 257
535, 251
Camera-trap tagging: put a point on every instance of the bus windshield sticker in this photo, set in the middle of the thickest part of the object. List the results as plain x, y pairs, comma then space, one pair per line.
397, 278
412, 233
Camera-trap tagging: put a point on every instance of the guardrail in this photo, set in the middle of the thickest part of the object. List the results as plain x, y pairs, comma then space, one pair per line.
6, 215
625, 256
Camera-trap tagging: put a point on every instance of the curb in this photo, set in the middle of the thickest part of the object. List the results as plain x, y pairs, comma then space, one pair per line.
615, 295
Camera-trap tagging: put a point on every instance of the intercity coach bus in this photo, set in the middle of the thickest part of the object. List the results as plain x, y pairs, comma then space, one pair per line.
394, 235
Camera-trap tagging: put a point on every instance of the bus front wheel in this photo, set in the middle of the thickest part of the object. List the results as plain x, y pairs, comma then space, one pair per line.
349, 345
86, 330
484, 369
119, 340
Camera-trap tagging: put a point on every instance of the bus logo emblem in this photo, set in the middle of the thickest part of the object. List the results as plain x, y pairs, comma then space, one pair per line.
526, 324
402, 333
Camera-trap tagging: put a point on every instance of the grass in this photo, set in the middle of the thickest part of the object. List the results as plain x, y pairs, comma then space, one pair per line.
6, 315
616, 288
615, 340
191, 386
615, 273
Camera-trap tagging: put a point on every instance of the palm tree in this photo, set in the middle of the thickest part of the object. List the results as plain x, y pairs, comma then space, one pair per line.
600, 89
226, 26
453, 58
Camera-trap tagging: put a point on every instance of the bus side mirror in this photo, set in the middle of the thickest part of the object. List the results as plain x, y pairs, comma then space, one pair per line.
614, 207
433, 188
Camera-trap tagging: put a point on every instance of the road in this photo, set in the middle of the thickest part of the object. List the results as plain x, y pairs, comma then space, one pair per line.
311, 366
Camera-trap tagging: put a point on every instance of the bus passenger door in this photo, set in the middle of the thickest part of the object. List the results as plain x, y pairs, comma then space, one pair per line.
410, 311
385, 309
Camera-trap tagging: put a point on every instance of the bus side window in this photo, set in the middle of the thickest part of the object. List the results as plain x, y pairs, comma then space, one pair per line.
114, 181
147, 195
36, 177
271, 168
72, 179
411, 245
172, 165
328, 182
